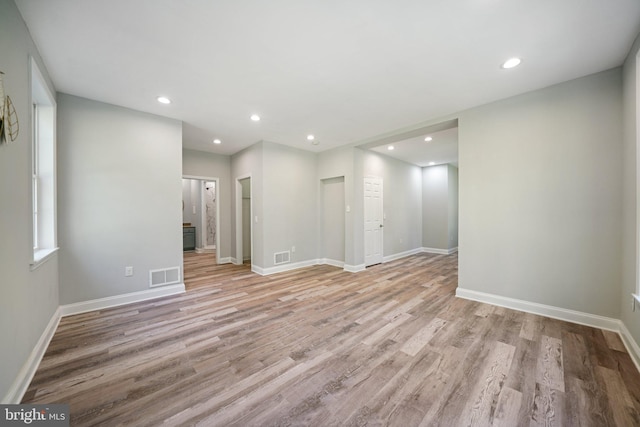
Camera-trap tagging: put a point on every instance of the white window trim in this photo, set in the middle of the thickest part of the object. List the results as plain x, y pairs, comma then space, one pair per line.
41, 95
636, 295
34, 173
41, 256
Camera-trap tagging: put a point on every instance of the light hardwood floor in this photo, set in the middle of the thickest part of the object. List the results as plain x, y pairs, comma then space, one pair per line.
321, 347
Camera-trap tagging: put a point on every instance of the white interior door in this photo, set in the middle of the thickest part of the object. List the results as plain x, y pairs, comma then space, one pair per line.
373, 225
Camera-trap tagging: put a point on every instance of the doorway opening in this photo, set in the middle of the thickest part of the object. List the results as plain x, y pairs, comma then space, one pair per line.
201, 215
244, 240
332, 229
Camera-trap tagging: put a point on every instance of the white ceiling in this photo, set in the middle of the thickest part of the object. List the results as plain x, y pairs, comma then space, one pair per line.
443, 148
345, 71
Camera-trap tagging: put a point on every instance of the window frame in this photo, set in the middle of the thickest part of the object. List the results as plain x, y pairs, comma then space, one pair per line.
43, 234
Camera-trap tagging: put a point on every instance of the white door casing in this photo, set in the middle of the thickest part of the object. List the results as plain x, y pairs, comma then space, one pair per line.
373, 221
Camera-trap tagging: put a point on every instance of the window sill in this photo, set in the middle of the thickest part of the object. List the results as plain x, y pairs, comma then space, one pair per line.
41, 256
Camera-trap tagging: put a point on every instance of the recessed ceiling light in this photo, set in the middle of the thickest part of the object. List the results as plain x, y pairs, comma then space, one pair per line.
511, 62
217, 141
163, 100
432, 163
310, 137
255, 117
427, 139
391, 148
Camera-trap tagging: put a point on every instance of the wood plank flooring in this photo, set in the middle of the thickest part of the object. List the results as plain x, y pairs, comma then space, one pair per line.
321, 347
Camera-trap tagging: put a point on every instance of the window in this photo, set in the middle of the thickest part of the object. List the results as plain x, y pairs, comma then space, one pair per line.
43, 168
636, 296
34, 174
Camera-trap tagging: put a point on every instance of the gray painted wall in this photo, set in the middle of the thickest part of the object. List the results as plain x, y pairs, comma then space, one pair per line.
333, 219
453, 207
289, 203
249, 162
339, 162
541, 198
630, 256
29, 298
199, 163
246, 218
402, 186
119, 198
402, 201
440, 207
435, 207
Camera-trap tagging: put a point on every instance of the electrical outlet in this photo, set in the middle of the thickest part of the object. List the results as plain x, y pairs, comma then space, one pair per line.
128, 271
293, 248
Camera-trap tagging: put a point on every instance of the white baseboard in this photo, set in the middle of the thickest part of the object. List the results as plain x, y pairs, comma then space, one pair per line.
632, 346
332, 262
114, 301
282, 268
587, 319
399, 255
559, 313
226, 260
354, 268
347, 267
28, 370
440, 251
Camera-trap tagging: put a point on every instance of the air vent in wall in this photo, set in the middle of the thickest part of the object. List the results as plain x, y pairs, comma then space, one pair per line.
281, 257
165, 276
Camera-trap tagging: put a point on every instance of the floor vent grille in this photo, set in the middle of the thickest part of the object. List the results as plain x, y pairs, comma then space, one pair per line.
281, 257
164, 276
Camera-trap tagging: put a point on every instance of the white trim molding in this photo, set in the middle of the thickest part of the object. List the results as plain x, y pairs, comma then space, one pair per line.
28, 370
42, 256
117, 300
332, 262
630, 344
354, 268
227, 260
400, 255
559, 313
294, 266
573, 316
440, 251
284, 267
